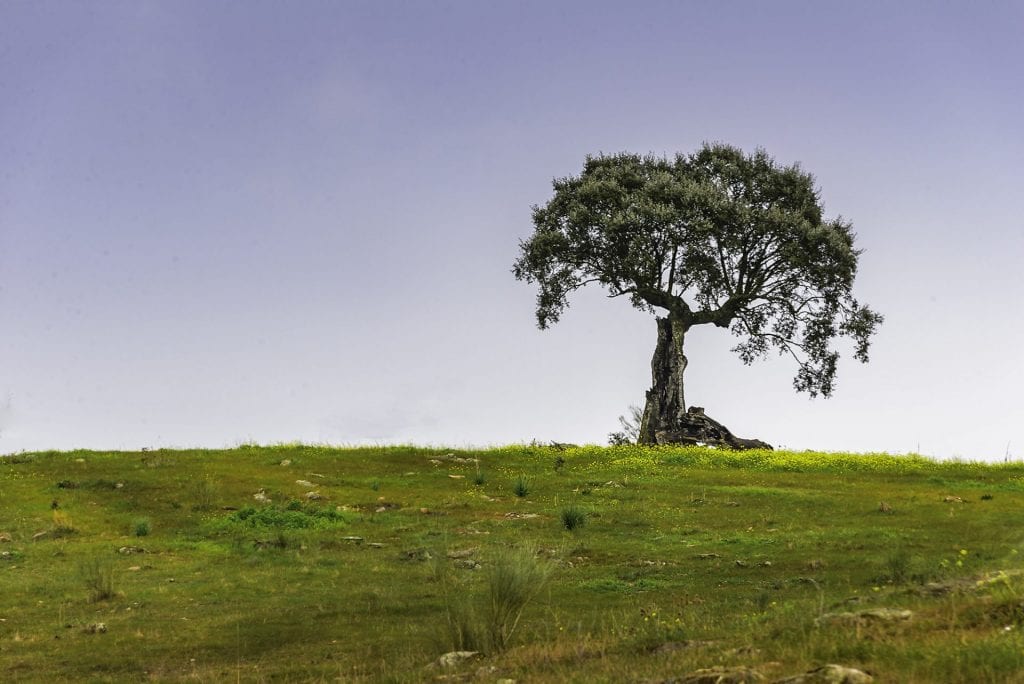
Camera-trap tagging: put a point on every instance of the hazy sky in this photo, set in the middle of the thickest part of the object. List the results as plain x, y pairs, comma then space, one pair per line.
268, 221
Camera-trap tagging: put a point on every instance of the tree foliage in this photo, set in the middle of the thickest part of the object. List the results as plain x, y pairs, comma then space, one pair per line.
715, 237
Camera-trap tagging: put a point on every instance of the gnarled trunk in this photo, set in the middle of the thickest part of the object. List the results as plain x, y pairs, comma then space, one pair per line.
666, 419
665, 403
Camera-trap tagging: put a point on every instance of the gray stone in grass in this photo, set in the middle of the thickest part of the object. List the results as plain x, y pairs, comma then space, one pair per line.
453, 659
829, 674
718, 675
866, 616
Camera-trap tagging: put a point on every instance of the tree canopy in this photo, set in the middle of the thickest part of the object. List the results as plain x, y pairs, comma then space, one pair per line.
714, 237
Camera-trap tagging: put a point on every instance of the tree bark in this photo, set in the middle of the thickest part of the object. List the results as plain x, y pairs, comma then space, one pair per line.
666, 405
666, 419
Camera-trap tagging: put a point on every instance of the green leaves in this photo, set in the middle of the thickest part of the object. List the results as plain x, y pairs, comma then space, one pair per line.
718, 236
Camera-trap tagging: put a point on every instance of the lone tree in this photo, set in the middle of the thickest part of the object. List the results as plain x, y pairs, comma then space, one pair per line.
716, 237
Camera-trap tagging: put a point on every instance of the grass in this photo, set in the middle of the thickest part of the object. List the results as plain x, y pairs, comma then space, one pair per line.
689, 558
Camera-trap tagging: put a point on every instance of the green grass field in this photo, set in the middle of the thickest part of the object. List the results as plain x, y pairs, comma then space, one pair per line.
622, 564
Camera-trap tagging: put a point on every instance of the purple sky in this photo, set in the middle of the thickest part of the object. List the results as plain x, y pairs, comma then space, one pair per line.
227, 222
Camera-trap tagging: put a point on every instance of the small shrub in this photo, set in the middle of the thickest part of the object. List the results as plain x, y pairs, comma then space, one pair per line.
522, 486
630, 432
98, 577
479, 479
141, 527
275, 517
559, 463
573, 517
375, 485
897, 566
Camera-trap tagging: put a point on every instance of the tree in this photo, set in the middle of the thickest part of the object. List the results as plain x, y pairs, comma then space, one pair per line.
716, 237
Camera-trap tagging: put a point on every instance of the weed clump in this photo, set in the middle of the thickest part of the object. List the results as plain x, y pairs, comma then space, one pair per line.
141, 527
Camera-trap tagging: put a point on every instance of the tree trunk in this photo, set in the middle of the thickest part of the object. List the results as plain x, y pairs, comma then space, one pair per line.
665, 403
666, 419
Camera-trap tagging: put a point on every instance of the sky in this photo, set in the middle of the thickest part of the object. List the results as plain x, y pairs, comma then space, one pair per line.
234, 222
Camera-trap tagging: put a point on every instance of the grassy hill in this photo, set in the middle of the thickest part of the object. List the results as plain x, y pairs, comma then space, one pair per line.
303, 563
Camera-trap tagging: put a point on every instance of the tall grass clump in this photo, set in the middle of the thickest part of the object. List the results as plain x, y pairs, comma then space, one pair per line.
98, 577
62, 524
573, 517
204, 495
486, 619
140, 527
521, 487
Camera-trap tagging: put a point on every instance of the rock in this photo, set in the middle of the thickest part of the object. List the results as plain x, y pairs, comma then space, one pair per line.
40, 535
95, 628
415, 555
867, 616
456, 477
453, 658
261, 496
285, 463
708, 556
467, 564
718, 675
353, 540
953, 499
305, 483
6, 555
697, 428
463, 553
520, 516
829, 674
5, 538
742, 564
129, 550
883, 507
375, 545
314, 496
